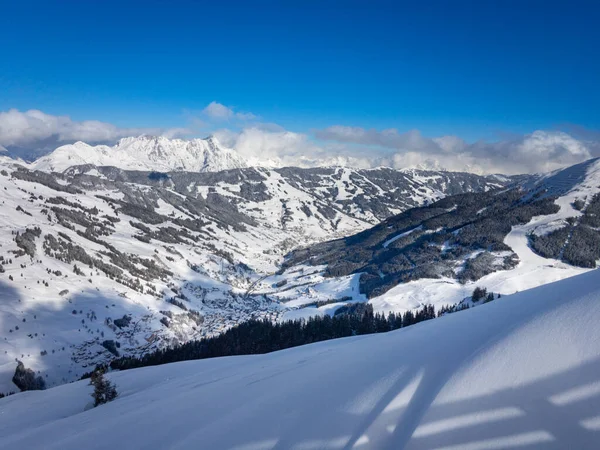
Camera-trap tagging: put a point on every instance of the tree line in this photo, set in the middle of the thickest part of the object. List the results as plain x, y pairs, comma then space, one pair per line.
263, 336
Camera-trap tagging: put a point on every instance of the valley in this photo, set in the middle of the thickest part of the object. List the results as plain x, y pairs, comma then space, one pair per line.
99, 261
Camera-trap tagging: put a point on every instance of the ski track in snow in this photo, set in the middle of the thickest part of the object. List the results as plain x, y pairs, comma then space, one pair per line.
401, 235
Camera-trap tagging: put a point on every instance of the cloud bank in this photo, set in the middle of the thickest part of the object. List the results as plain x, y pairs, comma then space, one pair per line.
33, 133
279, 147
540, 151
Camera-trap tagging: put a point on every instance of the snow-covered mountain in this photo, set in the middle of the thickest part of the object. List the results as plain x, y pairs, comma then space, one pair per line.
520, 372
544, 230
154, 153
98, 260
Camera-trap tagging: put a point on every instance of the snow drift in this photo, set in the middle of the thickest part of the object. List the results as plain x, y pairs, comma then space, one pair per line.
520, 372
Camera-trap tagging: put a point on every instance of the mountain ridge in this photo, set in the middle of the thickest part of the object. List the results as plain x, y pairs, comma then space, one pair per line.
145, 153
540, 151
544, 229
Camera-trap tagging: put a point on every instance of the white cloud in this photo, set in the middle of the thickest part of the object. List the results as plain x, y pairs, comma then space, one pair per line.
172, 133
258, 145
389, 138
540, 151
245, 116
21, 128
273, 146
38, 132
32, 133
218, 111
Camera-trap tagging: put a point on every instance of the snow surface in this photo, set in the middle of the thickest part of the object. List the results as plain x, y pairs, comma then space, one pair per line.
579, 182
37, 323
520, 372
532, 271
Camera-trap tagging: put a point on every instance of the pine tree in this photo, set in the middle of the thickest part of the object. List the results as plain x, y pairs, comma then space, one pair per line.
104, 390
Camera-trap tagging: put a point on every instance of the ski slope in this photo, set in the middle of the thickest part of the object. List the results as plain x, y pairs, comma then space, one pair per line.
576, 183
520, 372
532, 271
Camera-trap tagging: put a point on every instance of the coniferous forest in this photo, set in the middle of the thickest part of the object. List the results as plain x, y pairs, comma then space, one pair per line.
263, 336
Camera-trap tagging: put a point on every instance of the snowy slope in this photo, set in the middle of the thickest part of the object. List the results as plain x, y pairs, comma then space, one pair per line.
305, 284
520, 372
179, 253
145, 153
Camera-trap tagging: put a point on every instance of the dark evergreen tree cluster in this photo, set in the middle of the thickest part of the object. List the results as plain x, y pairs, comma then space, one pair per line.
264, 336
478, 294
26, 241
427, 242
552, 244
158, 176
484, 264
576, 243
583, 249
47, 179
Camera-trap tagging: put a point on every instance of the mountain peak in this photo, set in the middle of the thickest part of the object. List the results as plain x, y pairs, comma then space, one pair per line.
145, 152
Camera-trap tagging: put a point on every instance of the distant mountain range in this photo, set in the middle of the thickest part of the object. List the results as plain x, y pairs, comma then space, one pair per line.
145, 153
542, 150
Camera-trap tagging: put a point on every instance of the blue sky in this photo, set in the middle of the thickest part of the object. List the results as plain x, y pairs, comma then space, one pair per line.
466, 68
477, 69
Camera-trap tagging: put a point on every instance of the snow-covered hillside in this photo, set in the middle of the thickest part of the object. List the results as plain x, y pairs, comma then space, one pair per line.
98, 261
145, 153
520, 372
439, 254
